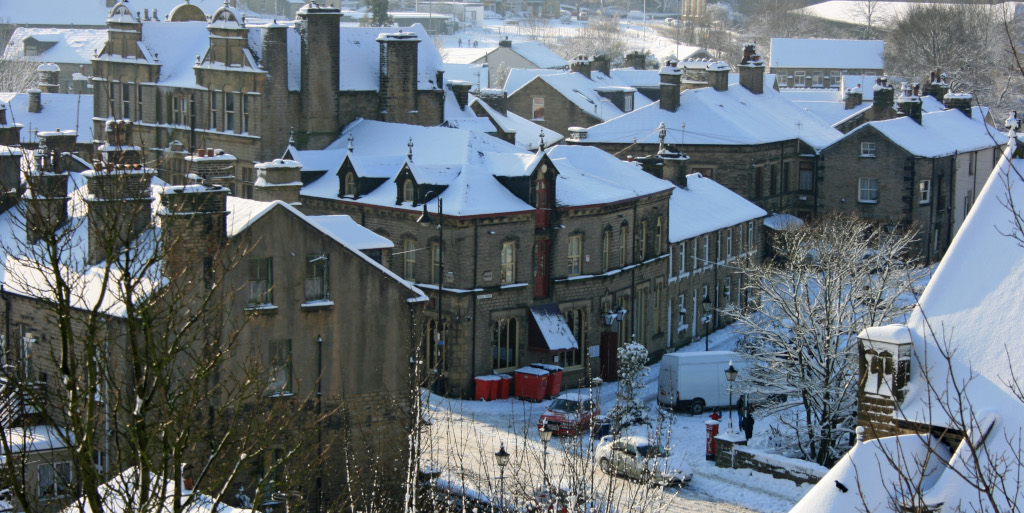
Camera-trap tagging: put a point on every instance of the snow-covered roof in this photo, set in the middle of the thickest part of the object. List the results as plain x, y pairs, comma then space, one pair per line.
553, 328
64, 111
586, 176
34, 438
732, 117
971, 310
347, 229
868, 474
540, 55
827, 53
175, 46
705, 206
518, 77
580, 90
360, 55
465, 55
939, 134
120, 494
637, 77
528, 133
476, 74
70, 45
83, 12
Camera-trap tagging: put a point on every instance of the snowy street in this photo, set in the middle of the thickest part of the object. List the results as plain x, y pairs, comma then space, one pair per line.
465, 435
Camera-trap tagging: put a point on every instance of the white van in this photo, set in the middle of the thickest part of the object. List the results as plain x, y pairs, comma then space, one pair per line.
694, 381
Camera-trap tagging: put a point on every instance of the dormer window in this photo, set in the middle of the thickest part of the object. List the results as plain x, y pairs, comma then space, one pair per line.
627, 102
350, 185
408, 191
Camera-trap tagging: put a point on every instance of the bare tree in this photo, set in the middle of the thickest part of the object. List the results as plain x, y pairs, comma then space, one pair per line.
17, 75
829, 280
135, 356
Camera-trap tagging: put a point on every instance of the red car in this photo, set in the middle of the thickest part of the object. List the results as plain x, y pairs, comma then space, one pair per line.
569, 413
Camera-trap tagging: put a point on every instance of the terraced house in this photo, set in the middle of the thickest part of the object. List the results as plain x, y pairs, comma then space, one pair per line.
556, 257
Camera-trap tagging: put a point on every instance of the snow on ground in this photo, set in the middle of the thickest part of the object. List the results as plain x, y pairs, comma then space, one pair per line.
508, 420
855, 11
637, 37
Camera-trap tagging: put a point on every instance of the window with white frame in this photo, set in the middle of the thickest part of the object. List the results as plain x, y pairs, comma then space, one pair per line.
54, 479
800, 78
750, 236
575, 253
728, 242
868, 149
126, 100
350, 185
538, 109
816, 79
435, 263
408, 191
833, 78
408, 259
245, 113
508, 262
642, 240
213, 109
707, 251
606, 248
867, 190
229, 112
682, 257
925, 188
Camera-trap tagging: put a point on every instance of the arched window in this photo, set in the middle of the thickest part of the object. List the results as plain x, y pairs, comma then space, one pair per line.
505, 344
408, 191
623, 237
606, 249
350, 185
576, 318
641, 235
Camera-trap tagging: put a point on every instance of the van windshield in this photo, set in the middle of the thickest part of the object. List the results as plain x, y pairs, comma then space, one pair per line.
565, 405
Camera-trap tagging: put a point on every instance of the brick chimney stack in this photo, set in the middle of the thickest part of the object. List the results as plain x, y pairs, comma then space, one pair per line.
581, 64
399, 64
193, 220
670, 76
636, 60
274, 60
460, 89
959, 101
35, 100
603, 64
496, 98
936, 85
884, 95
319, 38
718, 76
752, 70
854, 97
120, 207
10, 132
48, 75
278, 180
909, 102
46, 201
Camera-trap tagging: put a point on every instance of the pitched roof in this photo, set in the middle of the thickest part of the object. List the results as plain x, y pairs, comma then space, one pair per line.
83, 12
705, 206
67, 112
827, 53
528, 133
580, 90
586, 176
76, 46
939, 134
540, 55
732, 117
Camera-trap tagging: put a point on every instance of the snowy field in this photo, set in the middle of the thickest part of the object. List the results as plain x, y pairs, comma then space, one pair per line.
850, 11
467, 433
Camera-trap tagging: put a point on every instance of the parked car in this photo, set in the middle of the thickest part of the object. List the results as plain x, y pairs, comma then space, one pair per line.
637, 458
570, 413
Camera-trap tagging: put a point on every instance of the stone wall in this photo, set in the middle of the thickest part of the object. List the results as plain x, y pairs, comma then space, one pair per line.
733, 453
559, 112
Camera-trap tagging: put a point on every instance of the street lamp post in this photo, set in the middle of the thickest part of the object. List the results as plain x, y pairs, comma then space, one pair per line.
502, 456
706, 319
425, 219
730, 376
545, 437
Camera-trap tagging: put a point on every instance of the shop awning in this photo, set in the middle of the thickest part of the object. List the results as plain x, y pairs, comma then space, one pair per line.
549, 331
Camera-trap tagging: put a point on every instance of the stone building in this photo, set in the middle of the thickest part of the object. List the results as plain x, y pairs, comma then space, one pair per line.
821, 63
509, 55
69, 49
744, 135
938, 402
530, 253
581, 97
311, 310
921, 170
217, 82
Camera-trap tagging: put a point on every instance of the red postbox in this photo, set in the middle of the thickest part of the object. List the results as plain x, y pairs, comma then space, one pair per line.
712, 432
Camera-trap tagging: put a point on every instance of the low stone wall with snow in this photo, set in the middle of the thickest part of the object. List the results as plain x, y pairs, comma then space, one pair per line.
735, 455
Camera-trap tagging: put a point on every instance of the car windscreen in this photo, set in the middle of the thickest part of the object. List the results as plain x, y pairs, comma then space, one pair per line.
652, 451
565, 405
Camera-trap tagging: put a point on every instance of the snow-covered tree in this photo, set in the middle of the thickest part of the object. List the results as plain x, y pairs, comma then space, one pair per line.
17, 75
629, 407
829, 280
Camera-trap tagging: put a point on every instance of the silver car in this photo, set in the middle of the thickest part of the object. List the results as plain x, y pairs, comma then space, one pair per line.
637, 458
